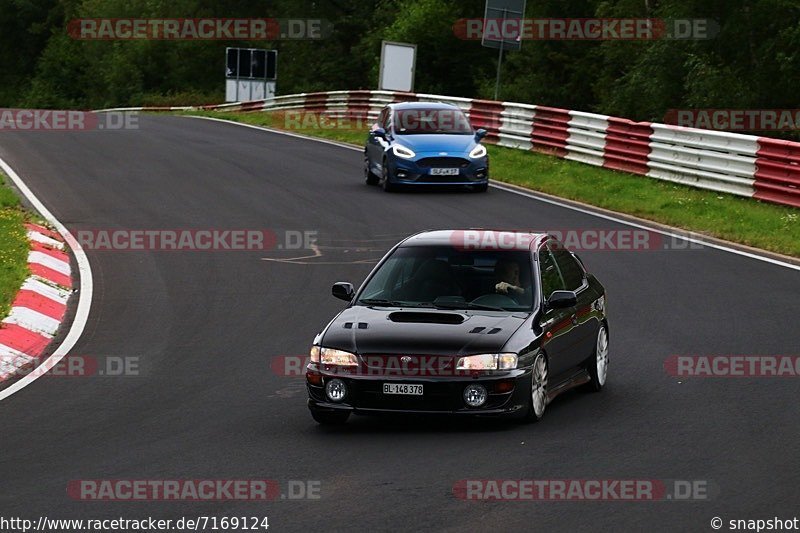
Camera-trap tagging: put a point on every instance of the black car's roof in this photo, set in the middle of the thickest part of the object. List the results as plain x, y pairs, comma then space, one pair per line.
422, 105
448, 237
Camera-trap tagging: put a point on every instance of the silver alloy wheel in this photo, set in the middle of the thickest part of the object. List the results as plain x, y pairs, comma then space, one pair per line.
602, 356
539, 386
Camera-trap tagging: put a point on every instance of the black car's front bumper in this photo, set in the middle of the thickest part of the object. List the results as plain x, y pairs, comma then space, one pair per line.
441, 395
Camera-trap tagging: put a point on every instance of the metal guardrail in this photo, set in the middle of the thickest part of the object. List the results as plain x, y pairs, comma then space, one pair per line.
744, 165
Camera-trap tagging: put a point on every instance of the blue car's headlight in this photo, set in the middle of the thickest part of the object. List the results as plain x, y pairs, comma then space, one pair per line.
478, 152
402, 151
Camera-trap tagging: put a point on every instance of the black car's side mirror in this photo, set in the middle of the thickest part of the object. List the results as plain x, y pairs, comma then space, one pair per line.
380, 133
480, 134
343, 290
562, 299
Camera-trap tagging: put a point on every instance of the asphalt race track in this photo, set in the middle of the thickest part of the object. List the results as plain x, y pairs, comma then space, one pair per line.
206, 326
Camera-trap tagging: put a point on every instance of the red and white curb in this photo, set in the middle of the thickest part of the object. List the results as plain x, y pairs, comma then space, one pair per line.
40, 304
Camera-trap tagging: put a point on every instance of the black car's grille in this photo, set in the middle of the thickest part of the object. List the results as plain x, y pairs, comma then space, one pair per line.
443, 162
438, 397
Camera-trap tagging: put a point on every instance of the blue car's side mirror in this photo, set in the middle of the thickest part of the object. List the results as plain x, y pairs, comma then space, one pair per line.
480, 134
379, 132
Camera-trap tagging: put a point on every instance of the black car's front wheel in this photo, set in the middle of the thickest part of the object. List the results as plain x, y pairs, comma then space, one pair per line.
330, 418
537, 400
369, 176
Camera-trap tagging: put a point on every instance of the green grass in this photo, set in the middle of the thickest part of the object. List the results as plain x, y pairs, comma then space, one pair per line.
13, 246
741, 220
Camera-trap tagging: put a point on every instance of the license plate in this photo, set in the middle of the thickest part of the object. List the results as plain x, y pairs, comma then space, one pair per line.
402, 388
444, 172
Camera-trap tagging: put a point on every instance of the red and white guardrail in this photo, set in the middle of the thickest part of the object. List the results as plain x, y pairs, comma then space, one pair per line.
39, 306
745, 165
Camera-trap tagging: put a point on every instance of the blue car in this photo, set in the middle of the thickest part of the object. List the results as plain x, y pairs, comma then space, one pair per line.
429, 144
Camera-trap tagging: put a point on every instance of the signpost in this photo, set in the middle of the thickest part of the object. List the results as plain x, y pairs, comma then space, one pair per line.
250, 74
497, 12
397, 66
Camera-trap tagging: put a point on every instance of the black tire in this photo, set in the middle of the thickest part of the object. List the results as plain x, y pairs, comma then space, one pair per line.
330, 418
480, 188
532, 414
385, 183
593, 366
369, 176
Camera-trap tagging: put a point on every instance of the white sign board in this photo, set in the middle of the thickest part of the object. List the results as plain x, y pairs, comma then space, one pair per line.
397, 66
246, 90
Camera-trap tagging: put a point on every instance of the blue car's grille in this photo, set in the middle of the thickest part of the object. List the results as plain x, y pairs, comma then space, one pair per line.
443, 162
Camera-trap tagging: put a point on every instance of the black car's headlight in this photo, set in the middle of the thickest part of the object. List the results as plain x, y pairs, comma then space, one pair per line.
330, 356
488, 361
478, 152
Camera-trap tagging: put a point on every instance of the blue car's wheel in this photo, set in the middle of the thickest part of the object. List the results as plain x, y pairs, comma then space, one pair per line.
387, 185
369, 176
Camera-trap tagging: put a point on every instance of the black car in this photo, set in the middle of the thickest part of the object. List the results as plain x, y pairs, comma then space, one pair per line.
468, 322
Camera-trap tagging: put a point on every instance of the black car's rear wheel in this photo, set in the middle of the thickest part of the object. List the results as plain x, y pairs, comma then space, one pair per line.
597, 365
369, 176
330, 418
537, 400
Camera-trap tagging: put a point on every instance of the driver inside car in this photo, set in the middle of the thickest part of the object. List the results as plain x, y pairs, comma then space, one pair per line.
507, 276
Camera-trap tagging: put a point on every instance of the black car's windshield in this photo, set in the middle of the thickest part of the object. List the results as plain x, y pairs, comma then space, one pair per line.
447, 277
431, 120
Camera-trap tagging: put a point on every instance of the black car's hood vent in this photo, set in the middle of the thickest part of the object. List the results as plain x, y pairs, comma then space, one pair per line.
360, 325
421, 317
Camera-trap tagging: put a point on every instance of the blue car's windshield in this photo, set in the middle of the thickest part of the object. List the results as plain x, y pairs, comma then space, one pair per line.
431, 120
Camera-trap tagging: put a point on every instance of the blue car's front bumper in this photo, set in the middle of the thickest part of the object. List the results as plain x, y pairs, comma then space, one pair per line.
419, 170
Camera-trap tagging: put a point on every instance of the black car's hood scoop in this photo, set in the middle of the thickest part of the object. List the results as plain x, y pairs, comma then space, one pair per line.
378, 330
424, 317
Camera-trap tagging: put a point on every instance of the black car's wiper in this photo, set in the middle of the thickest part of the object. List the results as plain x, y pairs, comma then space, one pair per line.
380, 302
466, 305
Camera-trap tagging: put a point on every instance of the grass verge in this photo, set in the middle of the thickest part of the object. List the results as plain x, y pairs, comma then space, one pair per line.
13, 246
742, 220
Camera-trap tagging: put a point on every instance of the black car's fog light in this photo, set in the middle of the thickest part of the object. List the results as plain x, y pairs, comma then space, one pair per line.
336, 390
475, 395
